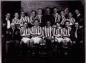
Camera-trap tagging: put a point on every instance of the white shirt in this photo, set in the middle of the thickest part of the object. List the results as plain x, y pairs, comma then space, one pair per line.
8, 23
78, 15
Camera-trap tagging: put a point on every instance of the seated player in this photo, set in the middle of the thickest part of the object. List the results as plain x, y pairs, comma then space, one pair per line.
66, 33
36, 32
48, 32
57, 33
25, 33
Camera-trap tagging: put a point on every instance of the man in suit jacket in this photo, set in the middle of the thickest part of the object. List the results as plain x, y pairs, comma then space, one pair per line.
56, 16
48, 16
40, 17
12, 37
6, 23
79, 18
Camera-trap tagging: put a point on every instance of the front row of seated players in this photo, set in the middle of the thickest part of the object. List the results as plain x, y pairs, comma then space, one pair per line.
48, 33
32, 35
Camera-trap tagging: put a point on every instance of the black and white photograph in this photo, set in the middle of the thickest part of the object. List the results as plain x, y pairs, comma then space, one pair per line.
43, 31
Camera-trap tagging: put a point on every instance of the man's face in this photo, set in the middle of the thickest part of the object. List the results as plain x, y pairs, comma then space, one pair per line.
67, 23
48, 11
70, 14
39, 12
33, 13
22, 14
8, 15
55, 10
36, 23
62, 13
48, 23
16, 15
77, 11
66, 11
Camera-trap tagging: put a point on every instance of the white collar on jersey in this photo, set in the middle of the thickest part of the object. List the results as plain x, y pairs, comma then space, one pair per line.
78, 15
36, 26
7, 19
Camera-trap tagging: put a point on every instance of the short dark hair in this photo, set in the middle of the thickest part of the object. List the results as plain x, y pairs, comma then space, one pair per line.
39, 9
33, 11
36, 20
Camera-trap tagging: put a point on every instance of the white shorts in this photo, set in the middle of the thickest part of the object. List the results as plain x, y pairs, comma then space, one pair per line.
36, 39
25, 39
66, 39
59, 39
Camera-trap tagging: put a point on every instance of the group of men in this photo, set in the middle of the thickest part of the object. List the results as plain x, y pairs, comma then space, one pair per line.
59, 26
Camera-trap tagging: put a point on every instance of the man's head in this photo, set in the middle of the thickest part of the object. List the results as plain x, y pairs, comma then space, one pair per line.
33, 13
67, 23
22, 14
66, 10
48, 23
8, 15
36, 22
70, 14
55, 10
77, 11
39, 11
62, 13
25, 25
48, 10
16, 15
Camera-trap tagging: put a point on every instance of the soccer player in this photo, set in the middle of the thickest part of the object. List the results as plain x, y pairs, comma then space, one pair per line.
24, 18
71, 19
66, 33
16, 20
32, 17
57, 33
63, 19
48, 32
36, 32
25, 33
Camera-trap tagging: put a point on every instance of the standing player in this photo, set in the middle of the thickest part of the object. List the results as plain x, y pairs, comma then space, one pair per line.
71, 19
32, 17
24, 19
16, 20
